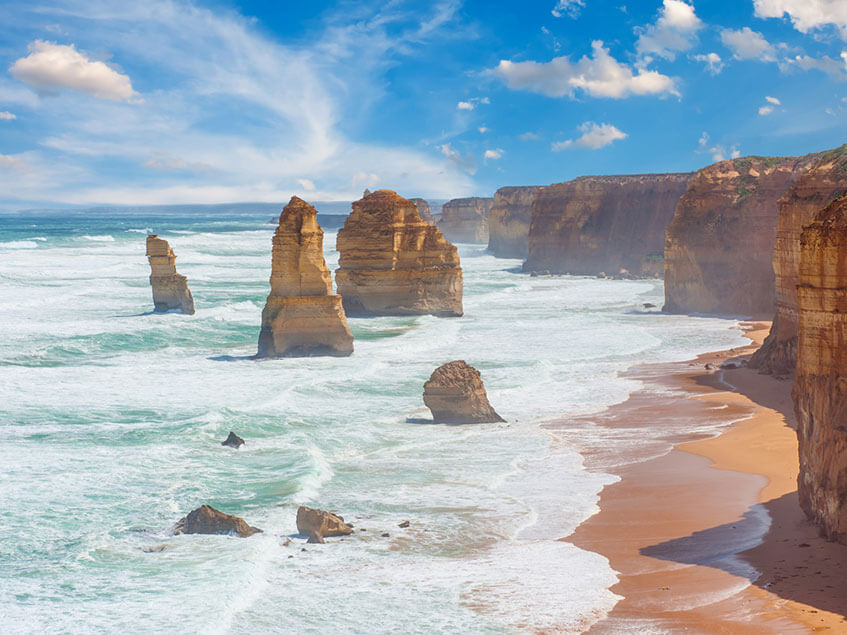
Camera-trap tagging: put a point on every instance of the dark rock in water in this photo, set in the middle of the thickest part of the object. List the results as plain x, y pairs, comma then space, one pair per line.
317, 523
208, 520
154, 548
404, 524
233, 440
649, 305
386, 535
316, 539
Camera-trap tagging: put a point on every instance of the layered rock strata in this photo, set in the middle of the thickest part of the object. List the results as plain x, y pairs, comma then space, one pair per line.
720, 242
423, 209
302, 316
455, 394
603, 224
825, 179
318, 524
170, 289
509, 220
465, 220
820, 388
392, 263
208, 520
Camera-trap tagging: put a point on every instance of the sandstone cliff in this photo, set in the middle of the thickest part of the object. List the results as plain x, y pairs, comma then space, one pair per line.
170, 290
599, 224
302, 316
455, 394
423, 209
820, 388
508, 221
392, 263
720, 243
820, 184
465, 220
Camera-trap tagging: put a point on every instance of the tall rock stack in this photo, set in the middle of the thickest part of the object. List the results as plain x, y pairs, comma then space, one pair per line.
719, 244
597, 224
820, 388
509, 220
423, 209
392, 263
170, 289
302, 316
825, 179
465, 220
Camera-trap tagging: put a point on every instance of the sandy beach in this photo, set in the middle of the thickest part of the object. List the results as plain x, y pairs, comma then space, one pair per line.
709, 537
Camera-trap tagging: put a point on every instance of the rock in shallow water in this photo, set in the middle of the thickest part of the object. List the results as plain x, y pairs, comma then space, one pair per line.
318, 524
170, 289
233, 440
208, 520
455, 394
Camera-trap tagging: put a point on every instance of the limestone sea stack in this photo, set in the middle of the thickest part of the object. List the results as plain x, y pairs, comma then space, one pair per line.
170, 289
392, 263
208, 520
720, 242
302, 317
455, 394
509, 220
465, 220
597, 224
820, 387
813, 190
318, 524
423, 209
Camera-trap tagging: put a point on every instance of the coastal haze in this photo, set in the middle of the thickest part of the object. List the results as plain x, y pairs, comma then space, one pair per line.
440, 317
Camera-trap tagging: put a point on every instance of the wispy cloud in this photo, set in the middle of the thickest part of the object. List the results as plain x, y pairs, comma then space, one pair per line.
747, 44
594, 136
714, 63
569, 8
717, 151
7, 116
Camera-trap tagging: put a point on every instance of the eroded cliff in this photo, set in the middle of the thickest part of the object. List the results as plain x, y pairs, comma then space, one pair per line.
302, 316
820, 388
423, 209
508, 221
719, 244
392, 263
465, 220
170, 289
599, 224
825, 179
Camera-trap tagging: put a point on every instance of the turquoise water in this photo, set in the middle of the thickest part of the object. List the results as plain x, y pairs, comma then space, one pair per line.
113, 418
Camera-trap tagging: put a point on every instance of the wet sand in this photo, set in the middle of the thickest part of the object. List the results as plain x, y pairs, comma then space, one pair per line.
709, 538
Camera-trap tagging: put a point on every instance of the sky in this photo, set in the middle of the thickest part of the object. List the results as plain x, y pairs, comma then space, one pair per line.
214, 101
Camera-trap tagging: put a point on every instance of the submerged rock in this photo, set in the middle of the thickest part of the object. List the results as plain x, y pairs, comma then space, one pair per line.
233, 440
455, 394
302, 316
170, 289
318, 524
208, 520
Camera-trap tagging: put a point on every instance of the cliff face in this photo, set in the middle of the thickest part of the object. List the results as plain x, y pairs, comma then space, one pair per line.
465, 220
820, 388
508, 221
599, 224
825, 179
302, 316
720, 242
392, 263
424, 209
170, 289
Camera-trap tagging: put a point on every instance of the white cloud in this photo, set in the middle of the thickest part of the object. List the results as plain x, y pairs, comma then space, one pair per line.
713, 62
773, 100
529, 136
11, 162
494, 154
675, 30
50, 67
747, 44
482, 129
594, 137
598, 76
455, 157
6, 116
472, 103
465, 105
307, 185
765, 110
806, 15
567, 7
718, 152
162, 161
834, 68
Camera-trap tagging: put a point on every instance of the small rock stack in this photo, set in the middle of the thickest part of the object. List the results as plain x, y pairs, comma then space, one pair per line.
170, 289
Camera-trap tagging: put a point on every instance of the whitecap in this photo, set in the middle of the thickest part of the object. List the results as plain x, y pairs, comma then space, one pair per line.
100, 239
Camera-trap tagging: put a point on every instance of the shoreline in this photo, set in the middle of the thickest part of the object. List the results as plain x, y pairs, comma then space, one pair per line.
709, 536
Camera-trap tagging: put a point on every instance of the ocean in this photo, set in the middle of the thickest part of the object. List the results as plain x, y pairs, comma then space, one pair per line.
113, 418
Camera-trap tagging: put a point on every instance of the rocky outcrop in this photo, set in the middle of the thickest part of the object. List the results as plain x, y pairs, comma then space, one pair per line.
318, 524
170, 289
208, 520
393, 263
823, 181
820, 388
302, 316
233, 440
509, 220
455, 394
423, 209
597, 224
720, 242
465, 220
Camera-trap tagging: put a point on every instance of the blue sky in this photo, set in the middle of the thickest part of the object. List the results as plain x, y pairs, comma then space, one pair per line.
170, 101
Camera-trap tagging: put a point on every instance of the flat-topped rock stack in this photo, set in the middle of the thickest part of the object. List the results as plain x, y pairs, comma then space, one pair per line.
170, 289
391, 262
465, 220
508, 221
423, 209
455, 393
302, 317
